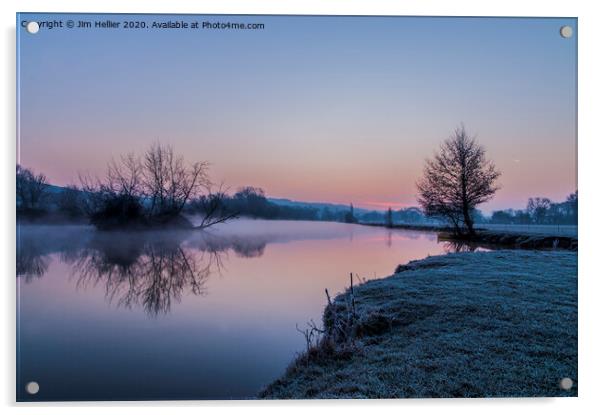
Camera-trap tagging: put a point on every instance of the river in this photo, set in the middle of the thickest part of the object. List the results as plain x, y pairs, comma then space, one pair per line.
184, 315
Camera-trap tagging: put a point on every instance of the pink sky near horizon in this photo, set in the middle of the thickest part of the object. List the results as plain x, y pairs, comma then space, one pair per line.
381, 181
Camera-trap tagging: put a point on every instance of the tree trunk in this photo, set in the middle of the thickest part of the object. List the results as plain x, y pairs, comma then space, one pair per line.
468, 221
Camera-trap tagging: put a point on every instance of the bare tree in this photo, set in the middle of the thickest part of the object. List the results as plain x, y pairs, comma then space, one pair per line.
389, 218
572, 202
456, 180
537, 208
95, 194
168, 182
350, 215
69, 201
31, 188
125, 177
213, 208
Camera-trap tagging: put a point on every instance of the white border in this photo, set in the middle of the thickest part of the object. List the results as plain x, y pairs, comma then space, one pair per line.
590, 151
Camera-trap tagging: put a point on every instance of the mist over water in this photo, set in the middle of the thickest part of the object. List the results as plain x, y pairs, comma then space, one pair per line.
184, 314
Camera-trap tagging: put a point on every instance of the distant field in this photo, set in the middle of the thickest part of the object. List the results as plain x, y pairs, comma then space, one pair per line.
564, 230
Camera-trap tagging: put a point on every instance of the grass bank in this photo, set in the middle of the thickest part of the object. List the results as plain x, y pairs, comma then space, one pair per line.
481, 324
520, 240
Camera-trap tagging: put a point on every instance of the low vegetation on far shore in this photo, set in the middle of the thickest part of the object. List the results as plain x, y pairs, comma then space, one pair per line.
481, 324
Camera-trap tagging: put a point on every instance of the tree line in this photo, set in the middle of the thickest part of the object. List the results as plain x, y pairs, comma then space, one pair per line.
157, 187
131, 194
252, 202
541, 211
249, 202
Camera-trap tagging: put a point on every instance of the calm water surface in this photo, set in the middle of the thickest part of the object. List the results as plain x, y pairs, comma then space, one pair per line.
183, 315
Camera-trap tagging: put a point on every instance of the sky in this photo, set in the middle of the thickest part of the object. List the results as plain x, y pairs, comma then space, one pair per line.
312, 108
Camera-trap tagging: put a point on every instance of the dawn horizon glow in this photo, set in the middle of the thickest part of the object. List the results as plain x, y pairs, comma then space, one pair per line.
338, 110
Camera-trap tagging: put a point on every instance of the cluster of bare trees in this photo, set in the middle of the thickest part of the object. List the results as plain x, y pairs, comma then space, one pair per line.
151, 189
456, 180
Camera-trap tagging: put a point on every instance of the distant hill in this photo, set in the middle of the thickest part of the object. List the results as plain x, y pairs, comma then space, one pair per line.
54, 189
316, 205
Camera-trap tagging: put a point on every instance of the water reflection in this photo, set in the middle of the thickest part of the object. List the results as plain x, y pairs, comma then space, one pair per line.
453, 247
151, 270
31, 264
147, 273
148, 270
233, 297
36, 244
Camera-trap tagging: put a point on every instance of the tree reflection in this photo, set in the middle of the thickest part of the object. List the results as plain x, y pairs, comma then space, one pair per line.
36, 244
455, 246
31, 265
146, 273
150, 270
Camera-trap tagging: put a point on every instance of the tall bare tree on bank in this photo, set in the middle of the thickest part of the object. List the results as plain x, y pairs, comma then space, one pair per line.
456, 180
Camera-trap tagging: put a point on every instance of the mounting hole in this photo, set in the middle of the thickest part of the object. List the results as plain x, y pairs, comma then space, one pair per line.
32, 27
566, 32
566, 383
32, 388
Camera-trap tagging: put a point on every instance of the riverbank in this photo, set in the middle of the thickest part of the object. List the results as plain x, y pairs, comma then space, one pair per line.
411, 227
518, 240
498, 238
481, 324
